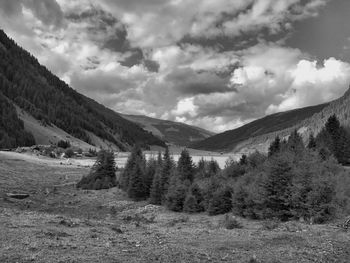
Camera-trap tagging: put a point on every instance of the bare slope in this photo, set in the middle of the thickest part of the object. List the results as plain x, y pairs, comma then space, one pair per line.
173, 132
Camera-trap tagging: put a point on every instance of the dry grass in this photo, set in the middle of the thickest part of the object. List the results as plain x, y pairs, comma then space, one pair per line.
59, 223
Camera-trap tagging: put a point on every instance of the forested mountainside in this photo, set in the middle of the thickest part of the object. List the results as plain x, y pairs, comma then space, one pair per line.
12, 131
32, 87
227, 141
175, 133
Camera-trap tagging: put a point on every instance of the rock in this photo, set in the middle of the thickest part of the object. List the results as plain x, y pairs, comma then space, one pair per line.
17, 196
67, 223
117, 229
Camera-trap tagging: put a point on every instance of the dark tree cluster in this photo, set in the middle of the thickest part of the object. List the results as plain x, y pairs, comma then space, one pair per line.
12, 132
36, 90
296, 181
102, 174
180, 186
63, 144
293, 181
333, 139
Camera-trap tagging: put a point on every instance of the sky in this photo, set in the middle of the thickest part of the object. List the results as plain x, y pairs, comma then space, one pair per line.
214, 64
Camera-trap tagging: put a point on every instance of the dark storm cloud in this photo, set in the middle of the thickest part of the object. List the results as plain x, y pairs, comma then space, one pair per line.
11, 7
151, 65
120, 43
137, 58
98, 19
246, 110
189, 82
101, 83
228, 43
113, 36
48, 11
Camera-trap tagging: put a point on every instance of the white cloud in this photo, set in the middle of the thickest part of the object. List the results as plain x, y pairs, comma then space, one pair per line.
198, 85
185, 107
159, 23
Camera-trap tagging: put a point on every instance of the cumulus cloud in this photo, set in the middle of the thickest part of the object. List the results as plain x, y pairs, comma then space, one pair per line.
160, 23
270, 79
165, 58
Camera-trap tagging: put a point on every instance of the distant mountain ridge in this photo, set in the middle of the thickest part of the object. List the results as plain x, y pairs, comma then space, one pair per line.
258, 134
43, 97
175, 133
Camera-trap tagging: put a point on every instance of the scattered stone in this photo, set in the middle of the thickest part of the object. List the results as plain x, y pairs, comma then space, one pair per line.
117, 230
67, 223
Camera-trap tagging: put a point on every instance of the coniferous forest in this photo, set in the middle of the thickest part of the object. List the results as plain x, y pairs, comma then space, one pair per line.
35, 89
294, 181
12, 131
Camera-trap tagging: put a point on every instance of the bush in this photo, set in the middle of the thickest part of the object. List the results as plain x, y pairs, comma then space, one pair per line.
247, 196
230, 222
194, 200
208, 187
102, 174
69, 153
175, 197
270, 224
221, 202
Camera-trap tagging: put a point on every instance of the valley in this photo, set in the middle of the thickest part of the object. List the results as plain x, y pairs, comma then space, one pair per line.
173, 131
59, 223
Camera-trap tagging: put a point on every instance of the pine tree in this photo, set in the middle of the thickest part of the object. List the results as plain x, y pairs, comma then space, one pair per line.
159, 159
295, 144
194, 200
102, 174
221, 202
336, 139
156, 191
137, 189
166, 172
312, 142
213, 168
176, 195
135, 154
151, 168
333, 125
243, 160
275, 146
185, 167
276, 185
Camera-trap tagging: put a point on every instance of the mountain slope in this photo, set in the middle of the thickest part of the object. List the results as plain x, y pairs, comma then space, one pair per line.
313, 124
173, 132
229, 140
33, 88
12, 131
